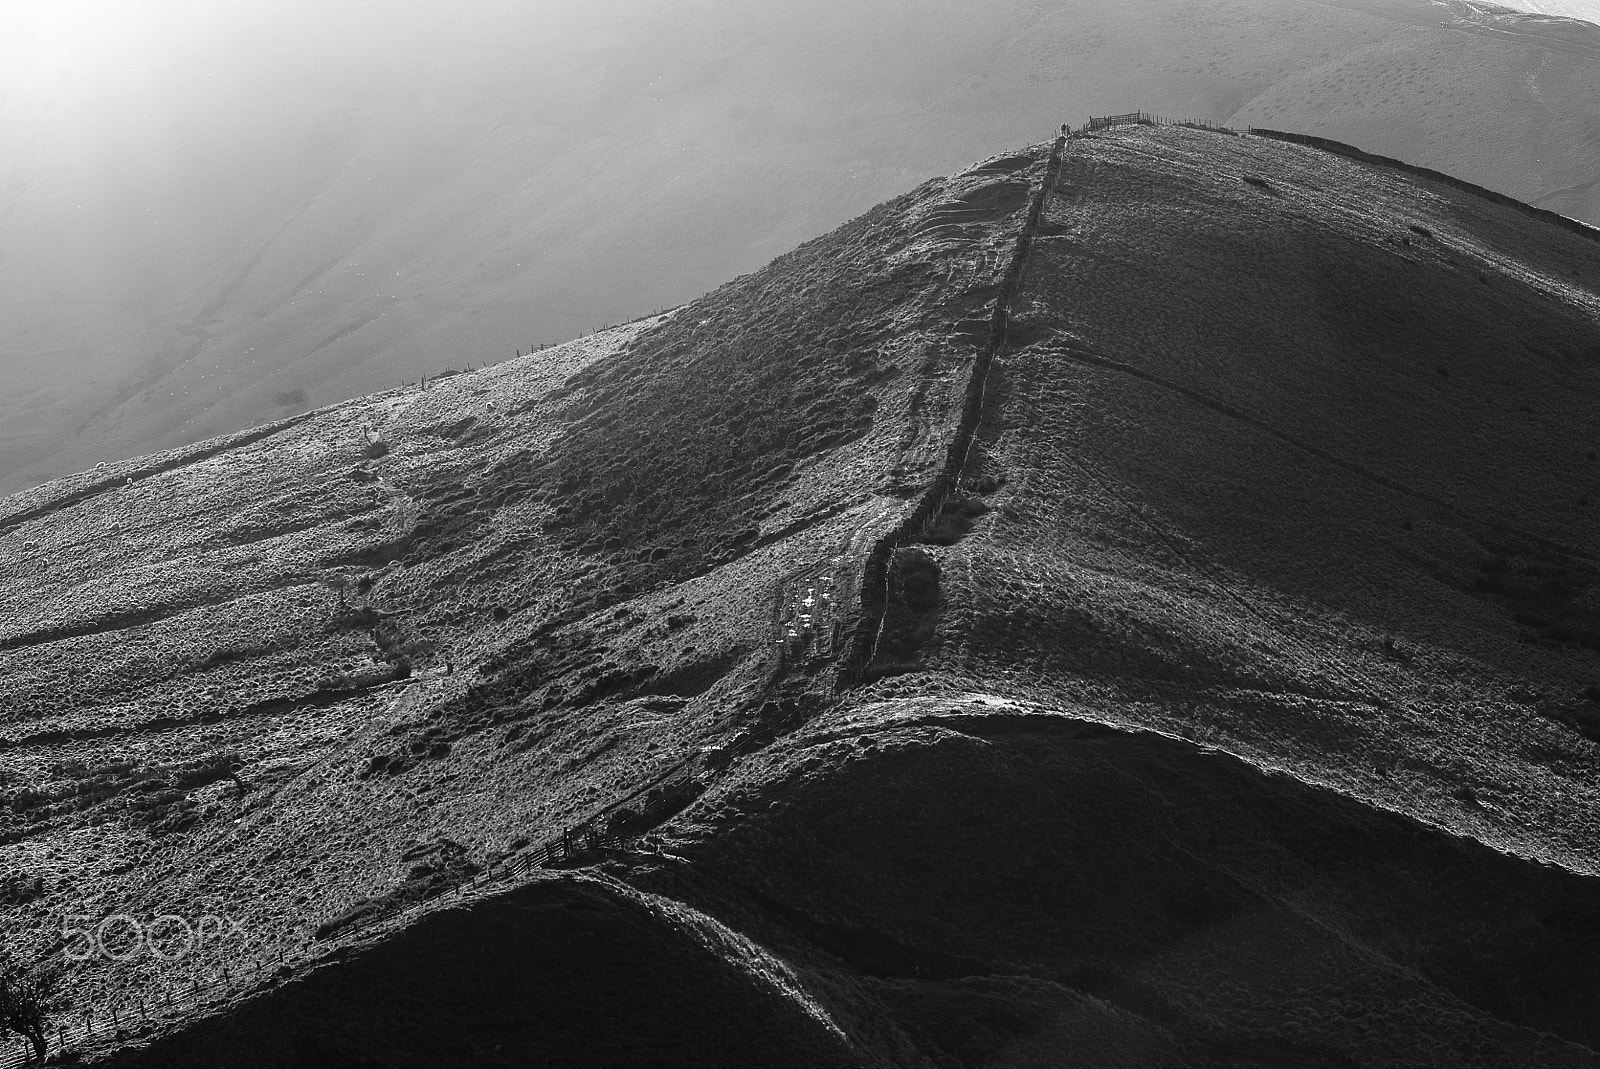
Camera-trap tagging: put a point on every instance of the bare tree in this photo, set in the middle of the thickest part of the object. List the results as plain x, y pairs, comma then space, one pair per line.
28, 996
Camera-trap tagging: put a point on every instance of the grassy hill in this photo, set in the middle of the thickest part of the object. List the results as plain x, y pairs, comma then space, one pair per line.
353, 205
1195, 534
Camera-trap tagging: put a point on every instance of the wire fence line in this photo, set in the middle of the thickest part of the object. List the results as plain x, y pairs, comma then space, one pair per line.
122, 1020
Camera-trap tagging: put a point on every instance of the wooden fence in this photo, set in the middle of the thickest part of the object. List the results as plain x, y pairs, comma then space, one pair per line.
1145, 118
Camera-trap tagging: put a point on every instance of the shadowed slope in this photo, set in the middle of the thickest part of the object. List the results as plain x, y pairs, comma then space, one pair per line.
1015, 885
1299, 454
658, 984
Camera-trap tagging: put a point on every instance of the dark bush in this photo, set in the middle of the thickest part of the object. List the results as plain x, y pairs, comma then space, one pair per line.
984, 484
16, 890
954, 522
623, 822
27, 798
28, 999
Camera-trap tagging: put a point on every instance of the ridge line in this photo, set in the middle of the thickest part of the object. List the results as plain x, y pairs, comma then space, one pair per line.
862, 635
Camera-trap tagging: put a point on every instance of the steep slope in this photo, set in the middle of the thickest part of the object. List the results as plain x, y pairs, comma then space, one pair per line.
358, 202
1126, 604
449, 618
1300, 452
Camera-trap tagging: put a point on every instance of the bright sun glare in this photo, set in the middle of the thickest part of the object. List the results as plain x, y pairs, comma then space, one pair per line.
80, 46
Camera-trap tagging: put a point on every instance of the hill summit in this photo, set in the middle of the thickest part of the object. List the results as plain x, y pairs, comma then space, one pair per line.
1131, 602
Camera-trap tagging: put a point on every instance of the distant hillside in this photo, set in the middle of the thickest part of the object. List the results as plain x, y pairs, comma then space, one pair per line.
352, 207
1133, 600
1587, 10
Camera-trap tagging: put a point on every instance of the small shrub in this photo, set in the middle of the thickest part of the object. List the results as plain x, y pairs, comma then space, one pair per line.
1424, 231
984, 484
28, 999
17, 890
21, 801
954, 521
1259, 183
623, 822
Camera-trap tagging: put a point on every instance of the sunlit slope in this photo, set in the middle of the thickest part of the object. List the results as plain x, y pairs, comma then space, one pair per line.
1298, 455
1587, 10
178, 264
473, 611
